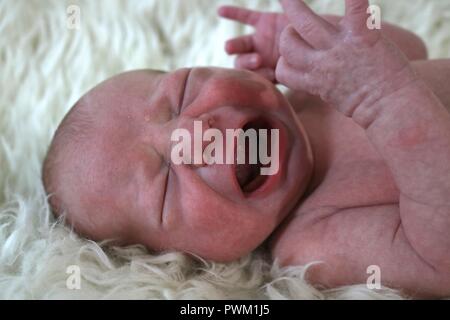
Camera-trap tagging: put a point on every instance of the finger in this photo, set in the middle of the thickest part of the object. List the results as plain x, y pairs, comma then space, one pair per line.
242, 15
314, 29
294, 49
291, 78
240, 45
356, 13
249, 61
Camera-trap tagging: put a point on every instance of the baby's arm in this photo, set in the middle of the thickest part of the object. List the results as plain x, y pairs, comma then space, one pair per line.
259, 51
436, 73
366, 77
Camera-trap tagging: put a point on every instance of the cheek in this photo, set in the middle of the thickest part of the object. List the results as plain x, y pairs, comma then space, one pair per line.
208, 212
202, 207
223, 223
222, 233
212, 224
211, 213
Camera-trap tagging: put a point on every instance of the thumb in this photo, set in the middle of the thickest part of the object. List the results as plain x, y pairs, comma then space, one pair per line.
356, 13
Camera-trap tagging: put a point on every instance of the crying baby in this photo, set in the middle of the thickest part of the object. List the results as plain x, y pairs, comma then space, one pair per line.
349, 169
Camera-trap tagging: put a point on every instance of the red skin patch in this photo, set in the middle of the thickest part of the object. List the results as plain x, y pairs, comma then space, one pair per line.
411, 137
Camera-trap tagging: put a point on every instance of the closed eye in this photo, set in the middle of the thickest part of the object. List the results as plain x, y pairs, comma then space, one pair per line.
163, 201
183, 95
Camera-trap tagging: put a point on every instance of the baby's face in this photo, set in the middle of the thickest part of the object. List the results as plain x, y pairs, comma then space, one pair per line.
130, 183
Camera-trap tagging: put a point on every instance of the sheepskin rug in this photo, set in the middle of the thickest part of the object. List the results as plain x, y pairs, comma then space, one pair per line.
46, 67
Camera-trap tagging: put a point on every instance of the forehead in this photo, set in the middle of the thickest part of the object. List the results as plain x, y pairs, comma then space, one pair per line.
120, 91
117, 107
148, 87
135, 99
127, 95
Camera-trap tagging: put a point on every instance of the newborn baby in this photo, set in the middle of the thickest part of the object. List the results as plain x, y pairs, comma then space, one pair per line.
364, 153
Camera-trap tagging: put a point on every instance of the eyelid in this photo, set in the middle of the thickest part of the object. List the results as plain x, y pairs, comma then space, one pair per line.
158, 171
163, 201
183, 94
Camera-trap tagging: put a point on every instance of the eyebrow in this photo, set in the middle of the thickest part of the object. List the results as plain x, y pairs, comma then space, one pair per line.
149, 183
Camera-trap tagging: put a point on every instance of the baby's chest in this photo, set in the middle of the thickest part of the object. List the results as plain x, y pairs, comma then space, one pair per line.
349, 171
353, 194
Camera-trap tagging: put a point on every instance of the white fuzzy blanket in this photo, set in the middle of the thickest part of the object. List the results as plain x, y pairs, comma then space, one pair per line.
46, 67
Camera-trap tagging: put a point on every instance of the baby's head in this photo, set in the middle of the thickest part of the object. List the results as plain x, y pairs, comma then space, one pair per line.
109, 167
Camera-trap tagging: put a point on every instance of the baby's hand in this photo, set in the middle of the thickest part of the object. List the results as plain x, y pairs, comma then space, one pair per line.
259, 51
347, 65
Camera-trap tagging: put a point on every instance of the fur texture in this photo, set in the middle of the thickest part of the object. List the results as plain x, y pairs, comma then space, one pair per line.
45, 68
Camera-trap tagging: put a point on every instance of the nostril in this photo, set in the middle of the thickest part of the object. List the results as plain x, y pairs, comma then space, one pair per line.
211, 121
208, 121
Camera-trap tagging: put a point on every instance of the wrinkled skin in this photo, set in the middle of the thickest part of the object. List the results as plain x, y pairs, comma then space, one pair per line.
344, 64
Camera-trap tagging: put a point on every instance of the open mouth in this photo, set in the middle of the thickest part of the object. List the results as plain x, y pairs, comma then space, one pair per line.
248, 174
